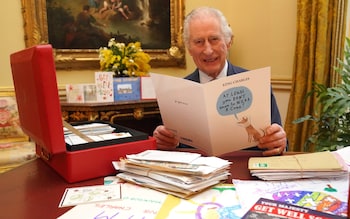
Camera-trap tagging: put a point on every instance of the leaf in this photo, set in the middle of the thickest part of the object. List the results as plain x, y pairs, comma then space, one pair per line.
304, 118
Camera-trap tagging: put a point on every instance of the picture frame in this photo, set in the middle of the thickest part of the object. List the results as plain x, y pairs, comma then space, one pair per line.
36, 32
10, 128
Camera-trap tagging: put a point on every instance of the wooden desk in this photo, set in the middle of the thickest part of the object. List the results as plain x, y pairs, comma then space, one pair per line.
34, 190
142, 115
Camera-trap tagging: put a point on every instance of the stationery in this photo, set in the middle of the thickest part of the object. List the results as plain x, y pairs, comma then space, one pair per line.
221, 116
181, 174
104, 86
265, 208
329, 195
89, 194
310, 165
136, 202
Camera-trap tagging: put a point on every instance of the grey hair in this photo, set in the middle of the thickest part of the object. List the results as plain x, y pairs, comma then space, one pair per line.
206, 11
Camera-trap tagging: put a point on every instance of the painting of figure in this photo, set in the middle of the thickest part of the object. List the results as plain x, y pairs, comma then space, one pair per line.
89, 24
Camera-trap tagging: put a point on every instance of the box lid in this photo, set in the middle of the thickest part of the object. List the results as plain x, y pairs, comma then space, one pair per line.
34, 78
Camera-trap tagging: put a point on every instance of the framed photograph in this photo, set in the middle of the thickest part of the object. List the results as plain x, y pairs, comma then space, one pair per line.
77, 29
10, 128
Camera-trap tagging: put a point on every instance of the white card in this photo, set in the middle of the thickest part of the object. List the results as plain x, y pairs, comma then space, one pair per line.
90, 194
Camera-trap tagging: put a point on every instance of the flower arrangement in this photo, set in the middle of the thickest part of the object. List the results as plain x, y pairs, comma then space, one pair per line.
124, 61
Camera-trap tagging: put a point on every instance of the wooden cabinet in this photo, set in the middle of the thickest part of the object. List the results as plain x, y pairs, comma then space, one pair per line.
142, 115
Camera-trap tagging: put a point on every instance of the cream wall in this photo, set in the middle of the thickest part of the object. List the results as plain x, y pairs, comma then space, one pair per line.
264, 36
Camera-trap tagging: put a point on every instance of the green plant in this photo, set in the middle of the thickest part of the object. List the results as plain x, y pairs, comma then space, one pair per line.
124, 60
331, 119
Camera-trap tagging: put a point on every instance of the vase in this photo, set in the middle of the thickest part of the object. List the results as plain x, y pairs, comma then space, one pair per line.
126, 88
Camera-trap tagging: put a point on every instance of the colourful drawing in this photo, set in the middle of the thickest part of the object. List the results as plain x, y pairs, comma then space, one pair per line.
218, 202
137, 202
314, 200
326, 195
88, 194
10, 128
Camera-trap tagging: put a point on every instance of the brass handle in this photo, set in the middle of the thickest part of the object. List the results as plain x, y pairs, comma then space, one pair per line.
138, 113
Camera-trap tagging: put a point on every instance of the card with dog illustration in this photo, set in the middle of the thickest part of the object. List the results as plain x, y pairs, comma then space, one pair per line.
223, 115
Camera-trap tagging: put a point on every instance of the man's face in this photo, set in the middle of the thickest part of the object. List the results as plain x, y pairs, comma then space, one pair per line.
207, 45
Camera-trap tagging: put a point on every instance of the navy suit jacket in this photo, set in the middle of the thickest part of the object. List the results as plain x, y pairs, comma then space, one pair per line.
231, 70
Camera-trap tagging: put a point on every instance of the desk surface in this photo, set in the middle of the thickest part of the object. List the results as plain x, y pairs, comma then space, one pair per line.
34, 190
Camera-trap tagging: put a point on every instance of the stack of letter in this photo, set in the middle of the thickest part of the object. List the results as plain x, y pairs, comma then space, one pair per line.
181, 174
81, 134
310, 165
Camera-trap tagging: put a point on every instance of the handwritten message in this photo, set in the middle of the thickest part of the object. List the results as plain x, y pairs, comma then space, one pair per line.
137, 202
234, 101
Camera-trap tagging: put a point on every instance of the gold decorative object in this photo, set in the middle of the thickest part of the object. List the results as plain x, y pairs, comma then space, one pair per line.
36, 32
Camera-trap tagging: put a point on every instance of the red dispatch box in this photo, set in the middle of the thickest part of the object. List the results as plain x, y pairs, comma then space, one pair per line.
34, 77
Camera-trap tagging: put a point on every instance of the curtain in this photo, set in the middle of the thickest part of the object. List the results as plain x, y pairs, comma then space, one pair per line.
319, 43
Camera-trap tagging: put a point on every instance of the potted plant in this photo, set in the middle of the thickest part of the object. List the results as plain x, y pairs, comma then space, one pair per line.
124, 60
331, 119
127, 62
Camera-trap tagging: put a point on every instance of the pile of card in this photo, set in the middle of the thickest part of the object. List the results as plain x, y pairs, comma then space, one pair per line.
95, 131
297, 166
178, 173
94, 128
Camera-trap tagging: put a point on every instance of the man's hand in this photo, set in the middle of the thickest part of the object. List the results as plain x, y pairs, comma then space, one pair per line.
166, 139
274, 142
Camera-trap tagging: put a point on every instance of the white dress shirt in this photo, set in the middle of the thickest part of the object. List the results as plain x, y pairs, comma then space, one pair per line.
204, 78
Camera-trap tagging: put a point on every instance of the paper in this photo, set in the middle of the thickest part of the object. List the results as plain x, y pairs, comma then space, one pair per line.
147, 89
299, 162
172, 172
329, 195
81, 93
177, 162
265, 208
221, 116
298, 166
76, 140
104, 86
136, 202
345, 154
219, 202
75, 93
166, 156
90, 194
94, 131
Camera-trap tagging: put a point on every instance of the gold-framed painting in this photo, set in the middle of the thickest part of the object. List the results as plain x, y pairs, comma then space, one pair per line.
10, 128
76, 36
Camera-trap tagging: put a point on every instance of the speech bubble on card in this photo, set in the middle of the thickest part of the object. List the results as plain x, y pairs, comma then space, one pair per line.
234, 101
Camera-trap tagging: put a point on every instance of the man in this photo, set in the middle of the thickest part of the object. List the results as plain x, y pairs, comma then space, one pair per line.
208, 38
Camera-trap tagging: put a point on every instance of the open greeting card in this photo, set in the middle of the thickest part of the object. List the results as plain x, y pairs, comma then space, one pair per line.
221, 116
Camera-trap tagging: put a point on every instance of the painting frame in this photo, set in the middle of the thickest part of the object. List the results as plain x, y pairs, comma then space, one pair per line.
36, 32
12, 125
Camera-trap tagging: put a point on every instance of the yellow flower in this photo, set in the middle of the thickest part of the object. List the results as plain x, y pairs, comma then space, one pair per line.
125, 61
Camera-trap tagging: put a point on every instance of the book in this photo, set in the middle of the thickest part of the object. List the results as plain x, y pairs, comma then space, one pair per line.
221, 116
309, 165
265, 208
